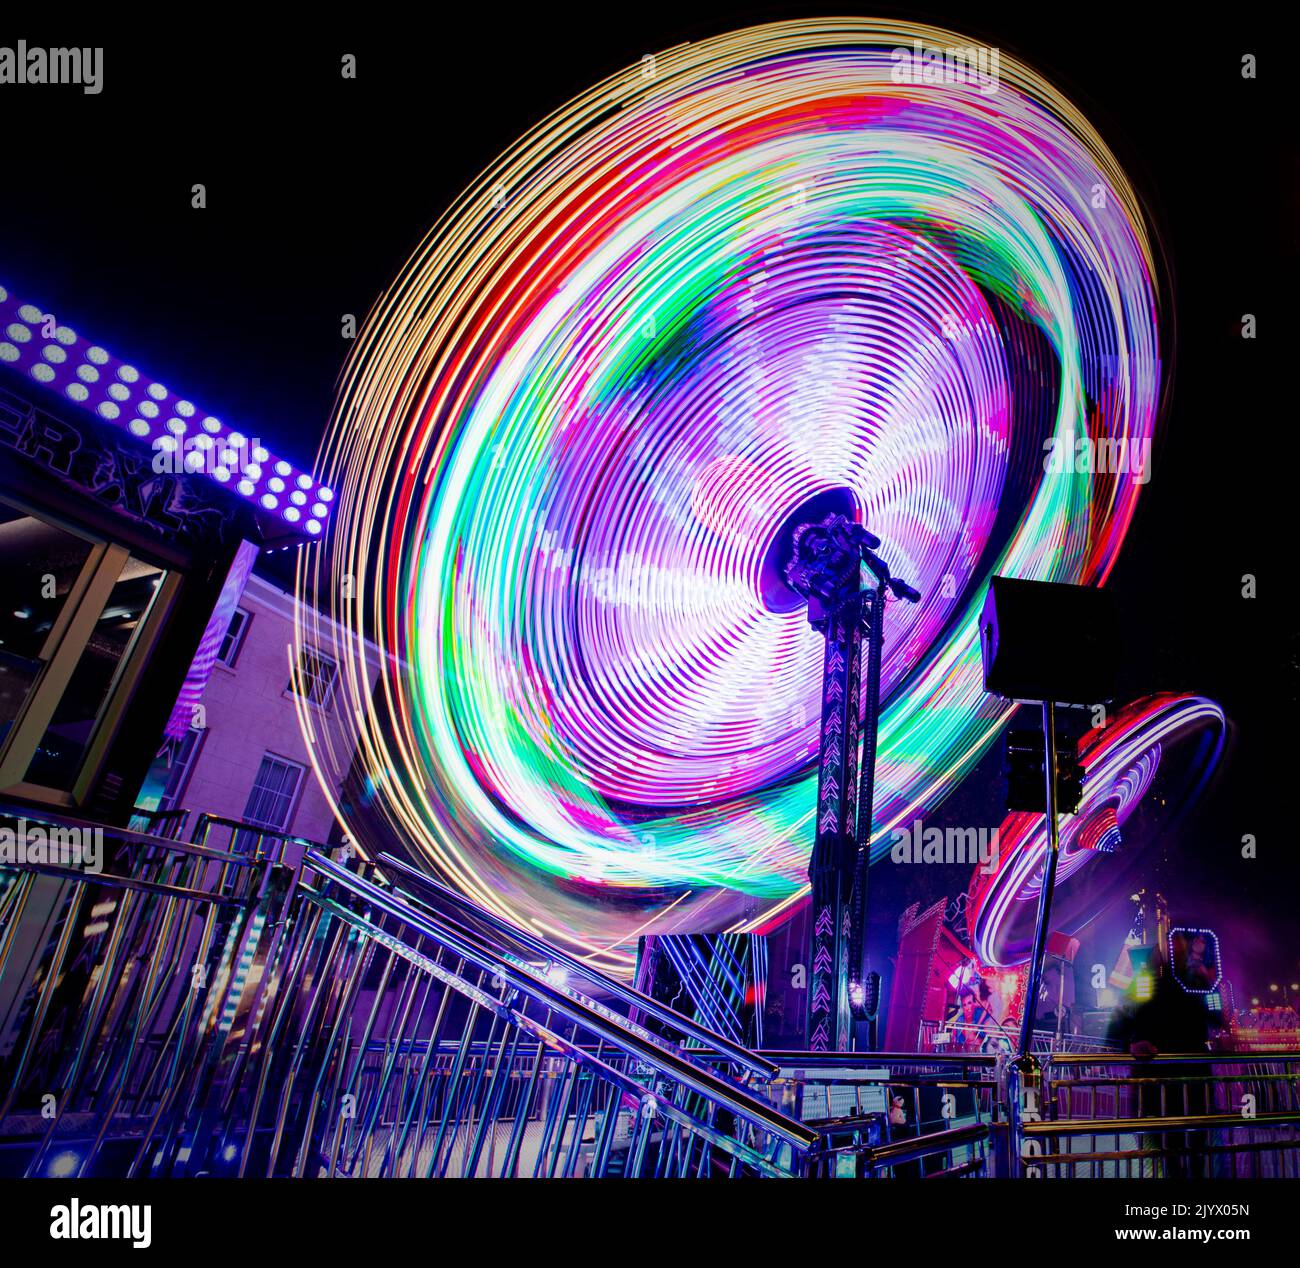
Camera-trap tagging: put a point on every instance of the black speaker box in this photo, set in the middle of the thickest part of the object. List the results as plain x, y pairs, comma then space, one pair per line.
1042, 640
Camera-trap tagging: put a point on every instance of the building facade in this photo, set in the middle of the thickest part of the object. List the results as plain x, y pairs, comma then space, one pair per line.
130, 519
245, 756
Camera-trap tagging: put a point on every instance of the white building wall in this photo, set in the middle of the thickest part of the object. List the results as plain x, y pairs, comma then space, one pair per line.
250, 712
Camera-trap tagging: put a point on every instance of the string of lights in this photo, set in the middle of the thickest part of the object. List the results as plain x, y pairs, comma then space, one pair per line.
185, 438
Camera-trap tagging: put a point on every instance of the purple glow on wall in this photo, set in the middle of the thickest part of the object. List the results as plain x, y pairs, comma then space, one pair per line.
200, 670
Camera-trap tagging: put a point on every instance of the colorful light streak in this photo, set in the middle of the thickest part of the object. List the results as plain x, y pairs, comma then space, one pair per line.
705, 291
1169, 742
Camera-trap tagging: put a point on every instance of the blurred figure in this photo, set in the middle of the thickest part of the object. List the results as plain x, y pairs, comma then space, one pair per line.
1171, 1022
1056, 999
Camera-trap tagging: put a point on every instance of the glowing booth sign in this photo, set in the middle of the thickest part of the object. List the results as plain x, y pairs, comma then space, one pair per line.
1194, 960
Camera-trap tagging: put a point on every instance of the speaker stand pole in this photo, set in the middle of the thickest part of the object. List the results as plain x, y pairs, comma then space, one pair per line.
1048, 884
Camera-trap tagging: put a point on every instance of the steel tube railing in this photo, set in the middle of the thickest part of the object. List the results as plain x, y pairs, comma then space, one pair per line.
556, 1120
1155, 1124
688, 1027
699, 1078
461, 1051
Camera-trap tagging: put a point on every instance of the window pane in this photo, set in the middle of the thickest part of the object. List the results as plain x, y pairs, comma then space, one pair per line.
59, 754
181, 761
233, 637
169, 772
316, 674
270, 801
39, 564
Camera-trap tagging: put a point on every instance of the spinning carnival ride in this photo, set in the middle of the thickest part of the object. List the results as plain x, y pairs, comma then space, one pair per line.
747, 275
1158, 752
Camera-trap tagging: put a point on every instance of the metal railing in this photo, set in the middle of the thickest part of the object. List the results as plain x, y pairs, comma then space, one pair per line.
244, 836
123, 989
962, 1152
539, 1077
954, 1038
243, 1003
521, 946
196, 1010
1194, 1115
893, 1113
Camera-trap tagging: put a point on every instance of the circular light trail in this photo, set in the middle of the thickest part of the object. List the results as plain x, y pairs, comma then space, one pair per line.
742, 274
1168, 744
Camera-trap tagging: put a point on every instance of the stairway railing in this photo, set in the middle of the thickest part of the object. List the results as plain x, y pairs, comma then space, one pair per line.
603, 1095
743, 1059
266, 1010
269, 1010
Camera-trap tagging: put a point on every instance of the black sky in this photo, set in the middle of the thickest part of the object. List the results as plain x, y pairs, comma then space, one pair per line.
318, 188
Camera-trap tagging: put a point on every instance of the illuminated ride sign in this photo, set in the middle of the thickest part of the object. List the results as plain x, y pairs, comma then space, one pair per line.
1194, 960
185, 439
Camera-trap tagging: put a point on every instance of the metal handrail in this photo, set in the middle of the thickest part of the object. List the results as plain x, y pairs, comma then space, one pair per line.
908, 1149
1154, 1125
734, 1052
670, 1062
136, 1013
124, 836
872, 1158
811, 1060
630, 1090
206, 820
305, 997
110, 880
1207, 1057
1129, 1084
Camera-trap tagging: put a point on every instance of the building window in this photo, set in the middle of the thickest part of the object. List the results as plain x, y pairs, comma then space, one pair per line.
58, 757
271, 799
233, 639
181, 763
315, 677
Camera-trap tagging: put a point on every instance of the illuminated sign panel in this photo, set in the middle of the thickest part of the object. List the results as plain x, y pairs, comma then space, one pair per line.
184, 438
1194, 959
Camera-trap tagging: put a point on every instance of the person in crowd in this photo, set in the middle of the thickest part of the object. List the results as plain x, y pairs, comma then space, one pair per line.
1172, 1022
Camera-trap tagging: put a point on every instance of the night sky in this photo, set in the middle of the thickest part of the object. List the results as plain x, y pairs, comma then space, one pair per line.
318, 189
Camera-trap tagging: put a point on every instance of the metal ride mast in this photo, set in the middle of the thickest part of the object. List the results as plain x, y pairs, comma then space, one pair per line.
825, 568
